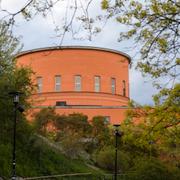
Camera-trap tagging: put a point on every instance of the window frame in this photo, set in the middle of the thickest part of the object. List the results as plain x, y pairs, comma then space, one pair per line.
39, 81
124, 87
77, 85
57, 84
97, 83
113, 85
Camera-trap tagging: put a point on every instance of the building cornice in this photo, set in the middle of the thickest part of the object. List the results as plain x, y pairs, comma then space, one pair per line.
75, 47
81, 93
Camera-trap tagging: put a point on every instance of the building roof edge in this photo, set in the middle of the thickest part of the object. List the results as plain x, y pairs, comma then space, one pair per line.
75, 47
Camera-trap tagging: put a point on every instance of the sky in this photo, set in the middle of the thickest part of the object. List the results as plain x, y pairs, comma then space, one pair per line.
39, 32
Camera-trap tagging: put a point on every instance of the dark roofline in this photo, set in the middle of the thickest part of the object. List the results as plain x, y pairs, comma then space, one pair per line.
74, 47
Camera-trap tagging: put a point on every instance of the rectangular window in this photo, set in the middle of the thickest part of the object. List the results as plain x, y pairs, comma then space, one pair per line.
113, 85
124, 88
57, 83
61, 103
39, 84
77, 83
97, 81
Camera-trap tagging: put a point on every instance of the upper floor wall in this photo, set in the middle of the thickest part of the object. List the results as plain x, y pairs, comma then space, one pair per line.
85, 69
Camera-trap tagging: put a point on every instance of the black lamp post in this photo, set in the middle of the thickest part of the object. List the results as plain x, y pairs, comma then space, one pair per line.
117, 134
15, 95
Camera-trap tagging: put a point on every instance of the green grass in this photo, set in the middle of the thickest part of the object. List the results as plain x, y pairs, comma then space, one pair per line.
36, 158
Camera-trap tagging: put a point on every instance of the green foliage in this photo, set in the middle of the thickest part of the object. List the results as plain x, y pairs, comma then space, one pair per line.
36, 158
9, 46
73, 123
73, 146
157, 133
43, 118
105, 4
100, 131
5, 159
164, 116
151, 170
12, 78
77, 123
154, 27
77, 138
106, 156
70, 130
74, 132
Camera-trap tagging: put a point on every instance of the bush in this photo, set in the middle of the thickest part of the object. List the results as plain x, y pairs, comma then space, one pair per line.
147, 169
106, 157
72, 146
5, 159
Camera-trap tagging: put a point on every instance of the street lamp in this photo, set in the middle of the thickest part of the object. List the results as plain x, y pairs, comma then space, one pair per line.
117, 134
18, 107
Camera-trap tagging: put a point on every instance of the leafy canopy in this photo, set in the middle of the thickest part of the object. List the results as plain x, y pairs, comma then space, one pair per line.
153, 25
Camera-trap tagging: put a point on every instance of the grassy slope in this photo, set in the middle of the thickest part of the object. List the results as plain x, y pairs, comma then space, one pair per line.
38, 159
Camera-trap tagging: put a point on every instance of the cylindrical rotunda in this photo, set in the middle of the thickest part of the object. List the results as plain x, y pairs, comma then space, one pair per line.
89, 80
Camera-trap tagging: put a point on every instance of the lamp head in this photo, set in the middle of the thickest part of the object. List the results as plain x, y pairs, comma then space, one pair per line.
116, 125
117, 132
15, 95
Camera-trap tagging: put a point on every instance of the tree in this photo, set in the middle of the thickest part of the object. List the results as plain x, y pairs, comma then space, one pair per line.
72, 124
9, 46
158, 128
164, 115
74, 129
11, 78
154, 28
44, 118
100, 131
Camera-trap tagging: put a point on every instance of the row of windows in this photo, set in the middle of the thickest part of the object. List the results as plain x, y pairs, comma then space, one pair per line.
78, 84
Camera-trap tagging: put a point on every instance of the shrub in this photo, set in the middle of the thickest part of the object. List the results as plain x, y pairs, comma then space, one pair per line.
106, 157
147, 169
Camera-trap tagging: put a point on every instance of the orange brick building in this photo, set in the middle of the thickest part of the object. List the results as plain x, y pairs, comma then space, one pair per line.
89, 80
